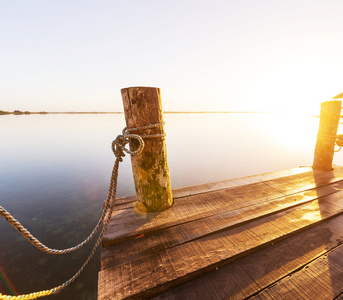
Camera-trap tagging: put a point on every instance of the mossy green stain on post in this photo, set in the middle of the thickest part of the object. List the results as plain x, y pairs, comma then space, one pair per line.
152, 182
142, 106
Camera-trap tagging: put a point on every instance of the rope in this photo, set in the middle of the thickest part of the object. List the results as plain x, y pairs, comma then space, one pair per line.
118, 148
25, 233
338, 149
328, 137
118, 145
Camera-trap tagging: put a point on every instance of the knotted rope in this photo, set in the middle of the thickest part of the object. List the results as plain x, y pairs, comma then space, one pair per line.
118, 145
118, 148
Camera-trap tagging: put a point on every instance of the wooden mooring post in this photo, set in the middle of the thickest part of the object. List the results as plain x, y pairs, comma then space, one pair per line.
330, 112
143, 106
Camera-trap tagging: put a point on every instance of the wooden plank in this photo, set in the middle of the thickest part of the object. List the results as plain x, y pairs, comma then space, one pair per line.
147, 277
238, 195
337, 174
128, 224
320, 279
215, 186
304, 181
253, 273
153, 242
340, 297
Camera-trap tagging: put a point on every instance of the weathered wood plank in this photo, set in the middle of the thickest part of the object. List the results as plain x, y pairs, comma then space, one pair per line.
304, 181
156, 241
128, 202
321, 279
147, 277
195, 227
340, 297
253, 273
128, 224
215, 186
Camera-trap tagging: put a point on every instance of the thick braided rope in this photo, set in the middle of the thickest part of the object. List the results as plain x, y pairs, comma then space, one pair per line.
130, 130
328, 137
25, 233
118, 149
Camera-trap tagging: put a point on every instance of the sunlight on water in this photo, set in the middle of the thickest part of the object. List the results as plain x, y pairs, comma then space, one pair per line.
212, 147
55, 172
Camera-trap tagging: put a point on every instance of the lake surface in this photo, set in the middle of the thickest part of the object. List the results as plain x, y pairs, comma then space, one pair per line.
55, 172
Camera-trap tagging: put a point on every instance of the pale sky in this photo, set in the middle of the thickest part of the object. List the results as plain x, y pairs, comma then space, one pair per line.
233, 55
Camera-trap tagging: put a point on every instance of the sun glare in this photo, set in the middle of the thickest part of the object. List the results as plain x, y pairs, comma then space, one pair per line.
291, 130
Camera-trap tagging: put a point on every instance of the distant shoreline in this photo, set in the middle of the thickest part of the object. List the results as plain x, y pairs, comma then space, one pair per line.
18, 112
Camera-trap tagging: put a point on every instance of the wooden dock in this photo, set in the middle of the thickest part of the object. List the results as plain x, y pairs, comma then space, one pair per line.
272, 236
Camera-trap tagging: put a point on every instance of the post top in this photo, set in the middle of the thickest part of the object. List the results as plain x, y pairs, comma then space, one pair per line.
332, 102
139, 87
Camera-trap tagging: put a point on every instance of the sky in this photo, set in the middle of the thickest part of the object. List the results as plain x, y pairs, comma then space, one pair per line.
213, 55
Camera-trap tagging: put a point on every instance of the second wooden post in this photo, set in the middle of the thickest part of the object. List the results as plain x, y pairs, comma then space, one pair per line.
142, 106
330, 112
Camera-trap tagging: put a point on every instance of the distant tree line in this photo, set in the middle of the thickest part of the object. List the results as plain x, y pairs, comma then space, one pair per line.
19, 112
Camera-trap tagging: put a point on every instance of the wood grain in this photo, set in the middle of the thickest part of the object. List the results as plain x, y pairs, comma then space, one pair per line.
143, 106
174, 266
290, 220
320, 279
155, 241
253, 273
127, 223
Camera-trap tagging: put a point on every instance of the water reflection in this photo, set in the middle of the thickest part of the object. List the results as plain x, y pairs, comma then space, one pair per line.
55, 172
205, 148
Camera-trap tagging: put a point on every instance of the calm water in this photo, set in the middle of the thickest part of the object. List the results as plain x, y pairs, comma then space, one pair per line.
55, 172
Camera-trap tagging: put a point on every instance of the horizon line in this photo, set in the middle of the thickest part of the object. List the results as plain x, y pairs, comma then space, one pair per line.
18, 112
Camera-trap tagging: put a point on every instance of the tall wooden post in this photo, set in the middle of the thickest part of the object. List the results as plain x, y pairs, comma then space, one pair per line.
142, 106
330, 112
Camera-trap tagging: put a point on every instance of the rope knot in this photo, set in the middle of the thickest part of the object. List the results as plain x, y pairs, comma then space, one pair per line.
118, 145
